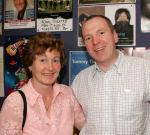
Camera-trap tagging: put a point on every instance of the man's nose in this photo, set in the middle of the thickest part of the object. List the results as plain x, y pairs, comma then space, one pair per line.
96, 39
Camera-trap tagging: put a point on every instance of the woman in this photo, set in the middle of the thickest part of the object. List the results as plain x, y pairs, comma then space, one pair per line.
20, 6
52, 108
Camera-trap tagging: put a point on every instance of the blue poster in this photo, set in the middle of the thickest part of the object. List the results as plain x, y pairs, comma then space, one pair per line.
78, 60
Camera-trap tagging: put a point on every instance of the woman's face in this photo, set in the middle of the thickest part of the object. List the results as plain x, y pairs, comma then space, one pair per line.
19, 4
122, 17
46, 67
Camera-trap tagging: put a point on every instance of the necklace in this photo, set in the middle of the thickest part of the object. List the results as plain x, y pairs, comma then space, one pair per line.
46, 106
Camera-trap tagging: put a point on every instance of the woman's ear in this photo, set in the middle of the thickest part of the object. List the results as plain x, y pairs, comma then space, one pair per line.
30, 68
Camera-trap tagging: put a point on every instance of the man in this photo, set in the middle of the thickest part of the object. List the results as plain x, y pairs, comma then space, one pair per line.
115, 91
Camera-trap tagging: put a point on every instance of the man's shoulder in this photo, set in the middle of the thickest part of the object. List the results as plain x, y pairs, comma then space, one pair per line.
137, 60
84, 74
86, 70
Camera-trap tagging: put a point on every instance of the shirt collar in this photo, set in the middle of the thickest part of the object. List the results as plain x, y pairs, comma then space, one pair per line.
119, 61
117, 64
34, 95
57, 90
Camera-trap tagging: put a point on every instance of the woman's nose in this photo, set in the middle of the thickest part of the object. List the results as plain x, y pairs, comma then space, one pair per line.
50, 65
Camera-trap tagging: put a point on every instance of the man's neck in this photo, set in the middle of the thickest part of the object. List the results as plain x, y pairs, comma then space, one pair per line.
105, 66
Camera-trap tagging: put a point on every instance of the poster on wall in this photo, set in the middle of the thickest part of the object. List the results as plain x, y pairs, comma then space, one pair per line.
78, 60
1, 72
83, 13
121, 15
15, 75
145, 16
124, 21
143, 52
105, 1
19, 14
0, 17
54, 15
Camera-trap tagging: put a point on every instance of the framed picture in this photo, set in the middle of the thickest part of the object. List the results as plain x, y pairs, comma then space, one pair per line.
2, 72
18, 16
78, 60
54, 15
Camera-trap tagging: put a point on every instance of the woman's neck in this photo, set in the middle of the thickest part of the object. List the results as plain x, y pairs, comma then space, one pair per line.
43, 90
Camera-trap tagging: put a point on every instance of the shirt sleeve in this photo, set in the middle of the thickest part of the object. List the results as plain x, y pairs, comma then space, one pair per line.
79, 117
75, 85
147, 94
147, 128
11, 115
147, 80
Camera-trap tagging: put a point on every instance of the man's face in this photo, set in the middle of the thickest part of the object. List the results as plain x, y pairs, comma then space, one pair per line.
19, 4
100, 40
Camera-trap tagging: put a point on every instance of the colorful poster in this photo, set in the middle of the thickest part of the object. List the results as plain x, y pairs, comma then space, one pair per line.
54, 15
78, 60
1, 17
125, 26
1, 72
15, 75
19, 14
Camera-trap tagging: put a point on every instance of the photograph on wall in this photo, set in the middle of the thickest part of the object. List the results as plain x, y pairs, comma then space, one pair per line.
15, 74
2, 72
0, 17
105, 1
121, 15
83, 13
54, 15
19, 14
78, 60
124, 21
143, 52
145, 16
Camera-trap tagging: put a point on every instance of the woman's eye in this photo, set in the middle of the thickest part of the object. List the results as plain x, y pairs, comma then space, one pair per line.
56, 60
42, 60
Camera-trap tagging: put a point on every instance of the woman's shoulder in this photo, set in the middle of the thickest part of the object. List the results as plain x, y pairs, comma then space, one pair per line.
65, 89
13, 100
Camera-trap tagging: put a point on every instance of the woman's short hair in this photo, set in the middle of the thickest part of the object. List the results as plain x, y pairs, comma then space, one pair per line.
38, 45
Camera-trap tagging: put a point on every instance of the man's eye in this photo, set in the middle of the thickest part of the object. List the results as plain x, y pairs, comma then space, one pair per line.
101, 33
88, 38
